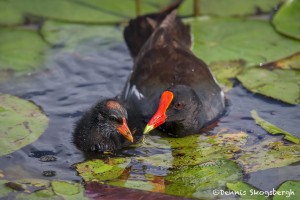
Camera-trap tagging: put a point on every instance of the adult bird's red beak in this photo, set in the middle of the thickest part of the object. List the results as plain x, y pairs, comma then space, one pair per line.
160, 116
125, 131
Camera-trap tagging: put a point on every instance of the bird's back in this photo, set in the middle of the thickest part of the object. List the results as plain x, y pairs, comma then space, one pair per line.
165, 60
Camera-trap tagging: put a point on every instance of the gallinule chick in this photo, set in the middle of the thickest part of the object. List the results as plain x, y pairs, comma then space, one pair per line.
103, 128
169, 85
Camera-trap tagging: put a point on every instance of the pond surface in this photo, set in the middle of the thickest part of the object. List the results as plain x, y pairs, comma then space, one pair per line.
72, 82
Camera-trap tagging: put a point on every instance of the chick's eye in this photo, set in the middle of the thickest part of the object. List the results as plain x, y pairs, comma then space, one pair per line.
179, 105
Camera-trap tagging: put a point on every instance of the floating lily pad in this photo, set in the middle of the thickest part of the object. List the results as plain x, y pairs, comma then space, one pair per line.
135, 184
290, 62
268, 154
226, 70
271, 128
41, 189
73, 11
21, 123
64, 188
288, 190
196, 181
40, 194
252, 41
28, 185
245, 191
9, 15
229, 7
177, 154
278, 84
287, 18
193, 150
20, 50
97, 170
86, 11
79, 37
4, 191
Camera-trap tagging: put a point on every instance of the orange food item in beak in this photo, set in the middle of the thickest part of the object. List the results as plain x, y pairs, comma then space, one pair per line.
125, 131
160, 116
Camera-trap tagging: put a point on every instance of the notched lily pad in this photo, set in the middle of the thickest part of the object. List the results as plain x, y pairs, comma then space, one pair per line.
290, 62
98, 170
278, 84
253, 41
286, 20
21, 123
271, 128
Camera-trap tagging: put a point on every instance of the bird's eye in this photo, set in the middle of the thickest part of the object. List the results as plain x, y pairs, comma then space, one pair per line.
178, 105
116, 119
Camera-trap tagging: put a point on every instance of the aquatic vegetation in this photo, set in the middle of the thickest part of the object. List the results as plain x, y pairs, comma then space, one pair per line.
21, 122
260, 54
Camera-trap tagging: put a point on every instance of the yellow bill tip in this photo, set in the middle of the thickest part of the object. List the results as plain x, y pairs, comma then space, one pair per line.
148, 128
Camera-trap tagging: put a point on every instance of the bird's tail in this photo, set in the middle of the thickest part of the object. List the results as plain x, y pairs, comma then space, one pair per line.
140, 29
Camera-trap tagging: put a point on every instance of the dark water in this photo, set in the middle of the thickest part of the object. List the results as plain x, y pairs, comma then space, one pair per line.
73, 82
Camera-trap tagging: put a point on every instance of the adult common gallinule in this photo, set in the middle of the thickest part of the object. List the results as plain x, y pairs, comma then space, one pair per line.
103, 128
169, 85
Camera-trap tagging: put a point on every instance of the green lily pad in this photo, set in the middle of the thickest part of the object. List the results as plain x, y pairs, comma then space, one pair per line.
274, 130
246, 191
288, 190
195, 149
21, 123
97, 170
66, 188
228, 7
268, 154
73, 11
40, 194
287, 18
32, 189
9, 15
28, 185
79, 37
86, 11
290, 62
4, 191
278, 84
134, 184
196, 181
226, 70
20, 50
252, 41
177, 155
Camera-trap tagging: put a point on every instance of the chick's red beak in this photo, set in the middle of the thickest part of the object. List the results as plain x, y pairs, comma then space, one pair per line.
124, 130
160, 116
